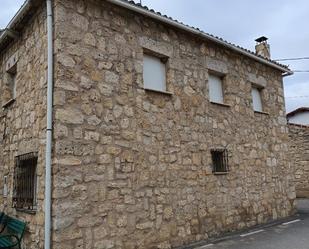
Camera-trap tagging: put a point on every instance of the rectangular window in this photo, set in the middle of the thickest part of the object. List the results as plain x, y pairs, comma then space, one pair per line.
24, 193
257, 99
154, 73
219, 160
12, 81
13, 86
216, 89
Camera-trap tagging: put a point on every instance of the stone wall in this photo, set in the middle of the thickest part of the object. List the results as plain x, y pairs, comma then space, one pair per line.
22, 128
300, 157
133, 167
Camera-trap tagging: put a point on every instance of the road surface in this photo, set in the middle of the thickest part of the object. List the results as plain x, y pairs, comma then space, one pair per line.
290, 235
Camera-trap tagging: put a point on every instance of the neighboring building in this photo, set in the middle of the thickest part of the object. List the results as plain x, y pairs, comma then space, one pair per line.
299, 116
163, 135
298, 121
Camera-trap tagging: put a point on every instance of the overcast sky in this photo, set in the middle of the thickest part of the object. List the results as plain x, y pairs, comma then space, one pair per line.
284, 22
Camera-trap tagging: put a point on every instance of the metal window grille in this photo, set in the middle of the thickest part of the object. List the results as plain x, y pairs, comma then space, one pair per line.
220, 160
25, 181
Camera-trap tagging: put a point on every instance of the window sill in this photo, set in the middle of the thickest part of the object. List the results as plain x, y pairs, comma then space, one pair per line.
220, 173
8, 103
220, 104
26, 210
264, 113
158, 91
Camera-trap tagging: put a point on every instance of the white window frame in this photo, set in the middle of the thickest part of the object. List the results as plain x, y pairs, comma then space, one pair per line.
154, 72
257, 99
216, 88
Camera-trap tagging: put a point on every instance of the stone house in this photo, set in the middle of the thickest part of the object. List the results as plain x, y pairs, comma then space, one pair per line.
299, 116
298, 122
162, 134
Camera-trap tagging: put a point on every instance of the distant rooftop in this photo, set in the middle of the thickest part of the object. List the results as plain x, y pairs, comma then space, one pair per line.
298, 110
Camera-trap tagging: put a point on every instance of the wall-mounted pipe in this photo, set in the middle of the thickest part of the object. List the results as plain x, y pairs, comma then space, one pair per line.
49, 126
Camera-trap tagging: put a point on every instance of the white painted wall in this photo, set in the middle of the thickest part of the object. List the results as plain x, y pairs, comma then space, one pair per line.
300, 118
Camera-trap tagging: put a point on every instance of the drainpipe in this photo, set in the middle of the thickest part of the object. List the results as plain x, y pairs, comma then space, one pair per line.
49, 126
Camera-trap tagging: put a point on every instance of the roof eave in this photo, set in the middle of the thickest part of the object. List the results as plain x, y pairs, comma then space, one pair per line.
9, 31
19, 15
27, 6
285, 71
298, 110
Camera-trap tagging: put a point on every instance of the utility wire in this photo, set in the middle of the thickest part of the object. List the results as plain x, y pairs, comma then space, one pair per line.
294, 97
301, 71
293, 59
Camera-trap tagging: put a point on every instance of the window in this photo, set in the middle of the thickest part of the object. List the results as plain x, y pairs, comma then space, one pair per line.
12, 81
257, 99
215, 89
219, 160
24, 193
154, 73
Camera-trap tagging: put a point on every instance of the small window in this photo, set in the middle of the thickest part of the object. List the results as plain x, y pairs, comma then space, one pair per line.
24, 193
257, 99
215, 89
219, 160
12, 81
154, 73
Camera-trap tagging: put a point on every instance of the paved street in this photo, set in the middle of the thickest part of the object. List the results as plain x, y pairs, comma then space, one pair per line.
293, 235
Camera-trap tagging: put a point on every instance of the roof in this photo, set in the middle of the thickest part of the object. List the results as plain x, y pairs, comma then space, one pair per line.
298, 110
144, 10
17, 23
169, 20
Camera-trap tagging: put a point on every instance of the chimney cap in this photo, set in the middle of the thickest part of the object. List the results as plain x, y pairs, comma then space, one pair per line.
261, 39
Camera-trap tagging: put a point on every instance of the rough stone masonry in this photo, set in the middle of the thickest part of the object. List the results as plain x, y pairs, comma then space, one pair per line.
132, 168
299, 150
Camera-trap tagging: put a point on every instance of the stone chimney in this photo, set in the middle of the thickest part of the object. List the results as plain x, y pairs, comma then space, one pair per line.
262, 47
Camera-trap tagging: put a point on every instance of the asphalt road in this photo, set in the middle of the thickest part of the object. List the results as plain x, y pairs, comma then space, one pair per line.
294, 235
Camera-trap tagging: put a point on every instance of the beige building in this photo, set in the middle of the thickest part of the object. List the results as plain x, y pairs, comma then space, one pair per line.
163, 135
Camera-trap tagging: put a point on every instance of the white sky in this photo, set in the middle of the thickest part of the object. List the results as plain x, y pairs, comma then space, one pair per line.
284, 22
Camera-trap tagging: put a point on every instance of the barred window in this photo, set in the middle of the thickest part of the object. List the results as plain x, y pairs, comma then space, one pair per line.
219, 160
24, 193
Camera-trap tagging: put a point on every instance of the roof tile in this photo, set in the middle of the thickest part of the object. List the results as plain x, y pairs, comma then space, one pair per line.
197, 29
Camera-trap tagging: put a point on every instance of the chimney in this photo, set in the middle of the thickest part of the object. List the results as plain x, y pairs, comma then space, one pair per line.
262, 47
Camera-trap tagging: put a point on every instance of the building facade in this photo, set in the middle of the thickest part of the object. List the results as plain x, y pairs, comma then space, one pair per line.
161, 137
300, 116
298, 121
